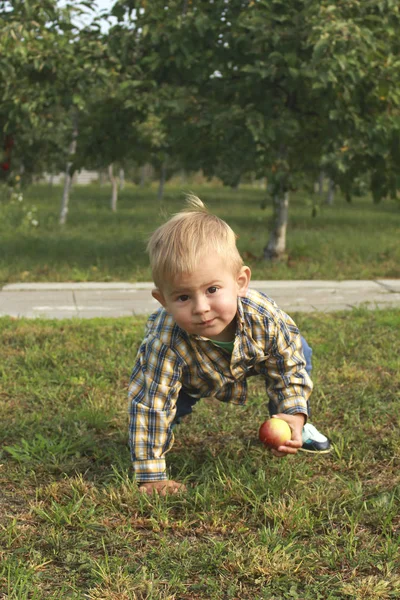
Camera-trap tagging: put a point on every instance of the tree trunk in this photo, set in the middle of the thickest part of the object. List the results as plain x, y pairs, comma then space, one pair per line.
236, 183
121, 179
68, 174
331, 193
18, 185
142, 176
114, 183
321, 183
276, 247
65, 196
162, 181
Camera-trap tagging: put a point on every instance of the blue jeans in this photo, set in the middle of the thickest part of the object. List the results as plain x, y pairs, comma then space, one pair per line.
185, 402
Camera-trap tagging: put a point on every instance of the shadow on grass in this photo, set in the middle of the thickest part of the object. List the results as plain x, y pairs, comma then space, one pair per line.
95, 457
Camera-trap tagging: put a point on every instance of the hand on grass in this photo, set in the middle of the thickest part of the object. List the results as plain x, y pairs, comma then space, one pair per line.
296, 423
162, 487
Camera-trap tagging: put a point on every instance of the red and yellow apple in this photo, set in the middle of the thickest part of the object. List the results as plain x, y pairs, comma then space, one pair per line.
274, 433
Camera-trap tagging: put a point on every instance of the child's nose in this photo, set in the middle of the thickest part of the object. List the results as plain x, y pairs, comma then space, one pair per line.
201, 305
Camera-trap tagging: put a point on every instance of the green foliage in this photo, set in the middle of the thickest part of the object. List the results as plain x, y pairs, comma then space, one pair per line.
357, 59
15, 213
282, 90
29, 56
50, 72
286, 87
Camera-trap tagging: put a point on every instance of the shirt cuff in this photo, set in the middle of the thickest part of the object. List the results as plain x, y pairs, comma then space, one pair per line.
150, 470
293, 406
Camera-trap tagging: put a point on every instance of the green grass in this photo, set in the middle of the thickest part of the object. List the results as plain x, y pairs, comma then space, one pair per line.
345, 241
73, 525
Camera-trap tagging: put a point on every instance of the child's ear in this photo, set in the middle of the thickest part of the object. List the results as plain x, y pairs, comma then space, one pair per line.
243, 280
159, 296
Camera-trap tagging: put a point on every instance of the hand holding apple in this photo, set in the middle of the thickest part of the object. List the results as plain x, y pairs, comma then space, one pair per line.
274, 433
284, 437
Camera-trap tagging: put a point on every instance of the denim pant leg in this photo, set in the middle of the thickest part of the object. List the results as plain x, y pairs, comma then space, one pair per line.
307, 351
184, 406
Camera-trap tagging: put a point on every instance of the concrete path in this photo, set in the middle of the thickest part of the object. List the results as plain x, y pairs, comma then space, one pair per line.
88, 300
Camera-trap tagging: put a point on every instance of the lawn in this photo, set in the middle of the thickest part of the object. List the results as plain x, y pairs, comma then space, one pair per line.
344, 241
73, 525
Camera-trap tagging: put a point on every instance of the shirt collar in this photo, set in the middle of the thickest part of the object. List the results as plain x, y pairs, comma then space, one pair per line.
240, 314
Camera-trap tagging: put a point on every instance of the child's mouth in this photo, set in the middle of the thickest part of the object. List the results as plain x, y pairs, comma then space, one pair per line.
206, 323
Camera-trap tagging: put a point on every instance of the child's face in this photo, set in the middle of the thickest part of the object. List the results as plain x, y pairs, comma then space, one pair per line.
205, 302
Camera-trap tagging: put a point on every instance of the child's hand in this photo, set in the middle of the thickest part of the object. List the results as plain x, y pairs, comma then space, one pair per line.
162, 487
296, 423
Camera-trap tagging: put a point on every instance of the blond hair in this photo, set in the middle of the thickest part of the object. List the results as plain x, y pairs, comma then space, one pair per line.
178, 245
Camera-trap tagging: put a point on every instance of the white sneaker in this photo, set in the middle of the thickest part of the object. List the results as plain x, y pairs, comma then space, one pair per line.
314, 441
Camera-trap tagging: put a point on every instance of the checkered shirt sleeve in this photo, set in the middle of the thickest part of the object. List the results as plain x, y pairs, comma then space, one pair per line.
153, 390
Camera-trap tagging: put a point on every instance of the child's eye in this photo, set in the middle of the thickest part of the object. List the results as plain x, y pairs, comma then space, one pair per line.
212, 289
183, 298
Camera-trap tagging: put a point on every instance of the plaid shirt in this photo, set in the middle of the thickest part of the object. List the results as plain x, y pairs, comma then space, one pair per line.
267, 343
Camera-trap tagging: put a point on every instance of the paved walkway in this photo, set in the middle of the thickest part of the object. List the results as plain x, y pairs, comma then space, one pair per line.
88, 300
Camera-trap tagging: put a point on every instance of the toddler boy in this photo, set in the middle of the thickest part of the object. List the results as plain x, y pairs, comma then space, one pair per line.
211, 333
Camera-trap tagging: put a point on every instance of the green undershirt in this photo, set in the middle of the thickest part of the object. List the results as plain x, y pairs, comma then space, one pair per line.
224, 345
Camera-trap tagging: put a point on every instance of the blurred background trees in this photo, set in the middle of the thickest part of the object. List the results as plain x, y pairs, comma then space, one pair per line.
288, 92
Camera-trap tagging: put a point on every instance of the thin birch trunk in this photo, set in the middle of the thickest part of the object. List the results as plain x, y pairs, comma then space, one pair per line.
142, 176
121, 179
321, 183
68, 175
114, 184
21, 174
331, 193
276, 247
